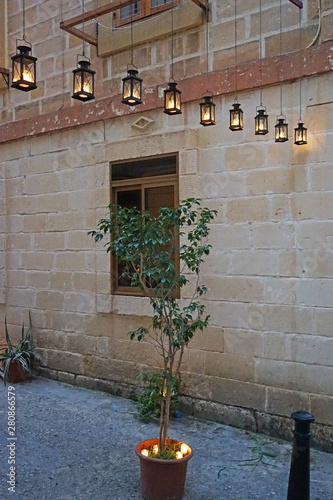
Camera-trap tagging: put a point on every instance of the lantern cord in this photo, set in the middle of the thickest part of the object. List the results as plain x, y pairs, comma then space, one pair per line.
132, 34
260, 54
281, 57
23, 20
172, 44
83, 51
300, 65
236, 54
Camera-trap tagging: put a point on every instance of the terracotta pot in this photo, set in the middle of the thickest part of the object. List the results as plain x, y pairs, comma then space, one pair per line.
162, 479
17, 374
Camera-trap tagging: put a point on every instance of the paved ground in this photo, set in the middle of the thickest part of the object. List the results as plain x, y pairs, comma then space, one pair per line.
77, 444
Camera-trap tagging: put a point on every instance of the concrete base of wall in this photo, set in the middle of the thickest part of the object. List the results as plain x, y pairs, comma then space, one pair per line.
243, 418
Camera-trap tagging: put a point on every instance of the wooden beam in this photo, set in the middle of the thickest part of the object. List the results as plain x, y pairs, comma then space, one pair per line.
298, 3
82, 35
5, 74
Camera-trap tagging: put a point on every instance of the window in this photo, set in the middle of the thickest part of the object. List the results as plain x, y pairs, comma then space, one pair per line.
147, 184
141, 9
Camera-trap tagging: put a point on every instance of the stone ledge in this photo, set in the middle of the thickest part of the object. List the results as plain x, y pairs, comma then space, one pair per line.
243, 418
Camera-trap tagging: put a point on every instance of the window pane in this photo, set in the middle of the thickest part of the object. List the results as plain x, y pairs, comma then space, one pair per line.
125, 12
129, 199
157, 197
158, 3
144, 168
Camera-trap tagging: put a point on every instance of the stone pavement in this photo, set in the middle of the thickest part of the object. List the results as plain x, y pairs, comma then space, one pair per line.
78, 444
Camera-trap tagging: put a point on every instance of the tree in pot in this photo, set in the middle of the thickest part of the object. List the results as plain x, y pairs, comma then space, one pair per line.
161, 255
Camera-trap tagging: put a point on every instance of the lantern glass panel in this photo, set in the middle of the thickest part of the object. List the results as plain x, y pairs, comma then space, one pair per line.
172, 99
261, 123
136, 89
236, 118
207, 112
301, 135
281, 131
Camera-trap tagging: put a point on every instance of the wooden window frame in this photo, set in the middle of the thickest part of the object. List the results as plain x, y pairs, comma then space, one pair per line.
146, 10
136, 184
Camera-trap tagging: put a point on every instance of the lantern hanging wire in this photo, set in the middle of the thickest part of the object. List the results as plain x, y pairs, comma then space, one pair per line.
132, 84
83, 76
172, 95
281, 127
207, 107
236, 113
23, 64
300, 132
261, 119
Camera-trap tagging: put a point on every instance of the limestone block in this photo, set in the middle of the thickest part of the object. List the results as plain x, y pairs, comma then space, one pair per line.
50, 339
65, 361
282, 402
313, 205
253, 262
316, 292
322, 408
245, 156
295, 376
243, 342
229, 366
34, 223
188, 162
277, 346
273, 235
71, 261
82, 302
248, 209
48, 299
281, 318
63, 321
234, 392
110, 369
229, 314
22, 297
211, 339
312, 349
279, 290
52, 203
324, 321
316, 235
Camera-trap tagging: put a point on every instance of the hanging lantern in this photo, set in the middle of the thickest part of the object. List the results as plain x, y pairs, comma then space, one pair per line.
236, 117
24, 69
132, 88
301, 134
207, 111
83, 81
261, 122
281, 129
172, 101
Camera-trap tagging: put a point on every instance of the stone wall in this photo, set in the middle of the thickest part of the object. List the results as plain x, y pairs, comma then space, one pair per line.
269, 348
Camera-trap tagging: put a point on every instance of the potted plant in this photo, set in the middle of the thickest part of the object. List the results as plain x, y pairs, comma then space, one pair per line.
161, 255
17, 360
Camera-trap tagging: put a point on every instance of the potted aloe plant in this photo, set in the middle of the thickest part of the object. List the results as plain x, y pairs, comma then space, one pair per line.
17, 360
161, 255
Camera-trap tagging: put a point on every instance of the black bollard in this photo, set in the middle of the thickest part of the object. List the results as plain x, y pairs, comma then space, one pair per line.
299, 476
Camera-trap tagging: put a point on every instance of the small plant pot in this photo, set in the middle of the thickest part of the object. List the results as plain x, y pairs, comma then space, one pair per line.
17, 374
162, 479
